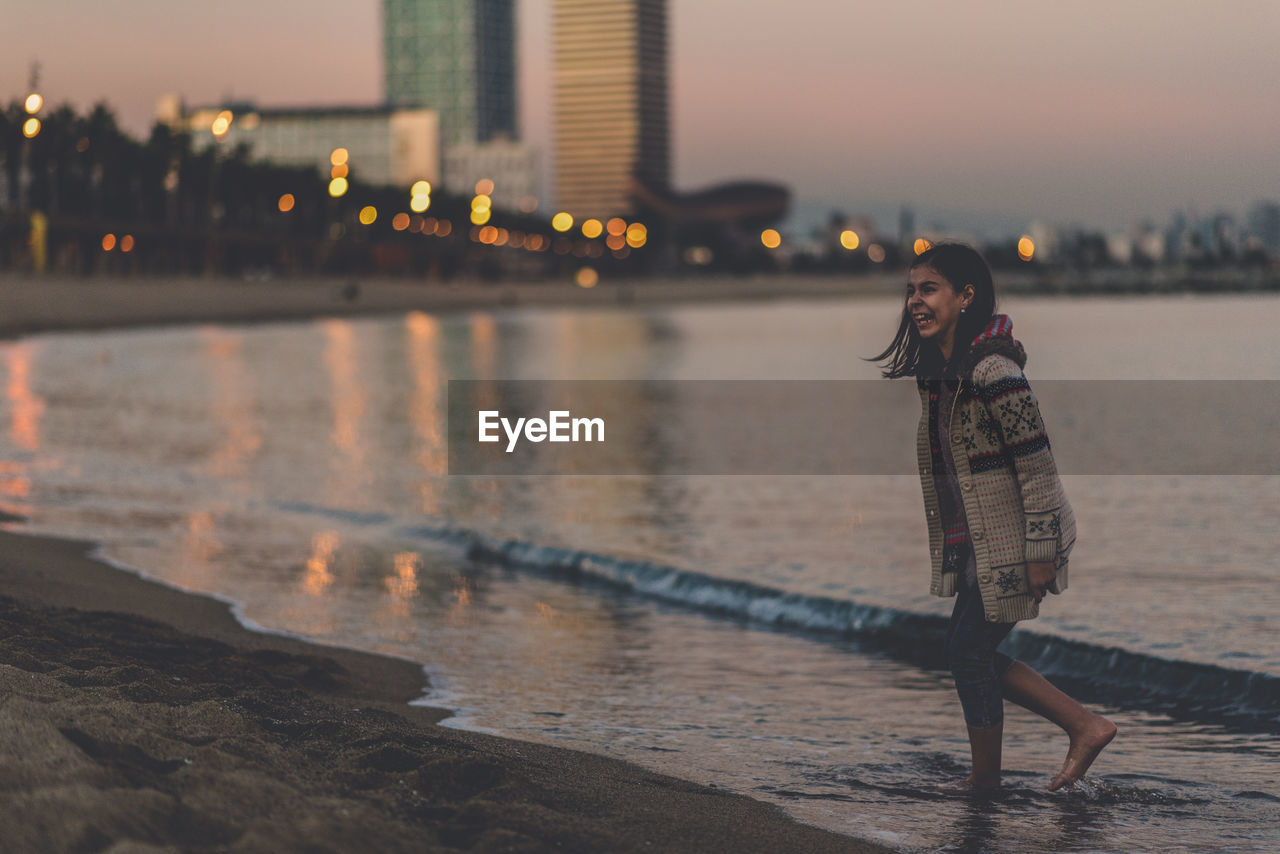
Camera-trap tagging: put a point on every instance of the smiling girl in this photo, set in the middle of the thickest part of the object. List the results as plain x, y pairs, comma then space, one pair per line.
1000, 527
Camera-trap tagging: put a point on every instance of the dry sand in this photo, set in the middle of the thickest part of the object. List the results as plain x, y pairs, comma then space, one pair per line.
34, 304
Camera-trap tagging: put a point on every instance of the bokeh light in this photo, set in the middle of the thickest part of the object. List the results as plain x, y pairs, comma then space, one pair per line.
34, 103
339, 171
484, 187
637, 234
368, 215
286, 203
922, 246
1026, 248
420, 188
339, 157
562, 221
849, 239
592, 228
338, 187
480, 216
126, 243
400, 221
616, 226
31, 127
587, 277
220, 126
108, 242
876, 253
771, 238
418, 204
615, 241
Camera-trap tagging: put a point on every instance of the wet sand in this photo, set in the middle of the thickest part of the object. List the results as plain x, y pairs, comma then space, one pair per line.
135, 717
36, 304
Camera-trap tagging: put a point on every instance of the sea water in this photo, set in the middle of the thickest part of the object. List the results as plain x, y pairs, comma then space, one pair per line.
771, 635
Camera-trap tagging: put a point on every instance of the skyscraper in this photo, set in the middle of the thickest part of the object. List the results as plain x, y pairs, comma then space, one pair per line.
611, 102
456, 57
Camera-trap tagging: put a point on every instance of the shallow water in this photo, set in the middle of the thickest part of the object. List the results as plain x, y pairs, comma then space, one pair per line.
767, 634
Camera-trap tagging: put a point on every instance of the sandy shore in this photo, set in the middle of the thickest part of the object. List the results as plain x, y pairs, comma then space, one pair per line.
138, 718
36, 304
134, 717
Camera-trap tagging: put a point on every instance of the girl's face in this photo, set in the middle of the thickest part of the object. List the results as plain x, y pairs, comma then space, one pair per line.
934, 305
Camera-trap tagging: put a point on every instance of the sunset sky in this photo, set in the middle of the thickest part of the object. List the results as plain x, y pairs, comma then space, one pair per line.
1096, 111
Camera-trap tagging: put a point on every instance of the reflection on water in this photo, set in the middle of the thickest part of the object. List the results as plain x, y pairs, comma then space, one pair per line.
426, 407
288, 468
25, 411
25, 406
231, 403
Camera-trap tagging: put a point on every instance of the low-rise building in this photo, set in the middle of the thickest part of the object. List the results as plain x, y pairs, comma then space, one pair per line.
385, 145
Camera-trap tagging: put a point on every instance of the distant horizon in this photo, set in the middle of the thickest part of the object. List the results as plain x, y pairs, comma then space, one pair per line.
1100, 114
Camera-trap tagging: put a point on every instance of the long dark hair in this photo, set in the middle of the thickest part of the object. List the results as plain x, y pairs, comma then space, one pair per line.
909, 355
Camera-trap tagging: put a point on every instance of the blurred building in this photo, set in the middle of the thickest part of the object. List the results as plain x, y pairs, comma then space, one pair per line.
611, 126
456, 57
511, 167
1264, 225
385, 145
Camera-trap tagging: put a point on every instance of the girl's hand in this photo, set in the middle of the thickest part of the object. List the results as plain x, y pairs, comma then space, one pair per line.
1040, 575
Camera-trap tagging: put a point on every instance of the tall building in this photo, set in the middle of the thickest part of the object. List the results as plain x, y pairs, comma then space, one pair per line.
456, 57
610, 102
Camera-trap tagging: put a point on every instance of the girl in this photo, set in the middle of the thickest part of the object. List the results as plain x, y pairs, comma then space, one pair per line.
1000, 527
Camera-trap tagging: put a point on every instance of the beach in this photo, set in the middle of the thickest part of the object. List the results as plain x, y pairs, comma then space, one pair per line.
31, 304
299, 470
140, 718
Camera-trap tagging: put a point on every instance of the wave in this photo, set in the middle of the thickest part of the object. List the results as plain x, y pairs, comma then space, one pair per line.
1240, 699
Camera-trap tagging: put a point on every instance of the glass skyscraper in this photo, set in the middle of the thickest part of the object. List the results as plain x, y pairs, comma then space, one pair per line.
456, 57
611, 103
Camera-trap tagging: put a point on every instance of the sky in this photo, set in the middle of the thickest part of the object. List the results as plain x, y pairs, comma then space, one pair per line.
1097, 112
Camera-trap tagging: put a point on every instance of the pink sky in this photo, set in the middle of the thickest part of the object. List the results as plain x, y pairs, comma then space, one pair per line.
1104, 112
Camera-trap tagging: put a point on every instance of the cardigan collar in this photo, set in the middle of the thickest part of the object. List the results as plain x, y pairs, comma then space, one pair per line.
996, 339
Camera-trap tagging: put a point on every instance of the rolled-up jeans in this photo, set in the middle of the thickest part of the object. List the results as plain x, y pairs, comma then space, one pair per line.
974, 660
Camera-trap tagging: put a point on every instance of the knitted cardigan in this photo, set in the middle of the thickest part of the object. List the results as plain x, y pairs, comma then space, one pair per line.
1016, 508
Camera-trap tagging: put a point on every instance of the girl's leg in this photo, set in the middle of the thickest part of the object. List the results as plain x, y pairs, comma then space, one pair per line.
985, 745
975, 664
1089, 732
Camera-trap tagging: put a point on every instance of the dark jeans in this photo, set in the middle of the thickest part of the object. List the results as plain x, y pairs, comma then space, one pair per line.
974, 661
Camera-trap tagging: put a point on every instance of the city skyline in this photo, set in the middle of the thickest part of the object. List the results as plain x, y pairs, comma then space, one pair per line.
471, 85
1098, 113
611, 107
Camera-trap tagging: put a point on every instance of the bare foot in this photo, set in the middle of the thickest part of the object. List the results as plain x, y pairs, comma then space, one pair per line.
968, 784
1085, 747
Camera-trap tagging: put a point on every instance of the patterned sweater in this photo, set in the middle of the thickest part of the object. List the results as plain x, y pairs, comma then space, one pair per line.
1013, 499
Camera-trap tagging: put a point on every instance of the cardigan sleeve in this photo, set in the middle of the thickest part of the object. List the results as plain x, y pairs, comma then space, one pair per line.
1015, 413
